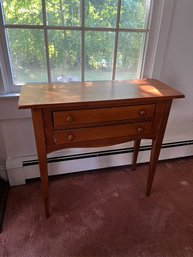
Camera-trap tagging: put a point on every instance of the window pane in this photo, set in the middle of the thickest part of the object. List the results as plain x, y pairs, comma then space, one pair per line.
134, 14
22, 12
100, 13
27, 55
65, 55
99, 48
63, 12
128, 55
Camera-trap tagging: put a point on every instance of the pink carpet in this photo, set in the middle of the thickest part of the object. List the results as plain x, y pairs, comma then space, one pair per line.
104, 214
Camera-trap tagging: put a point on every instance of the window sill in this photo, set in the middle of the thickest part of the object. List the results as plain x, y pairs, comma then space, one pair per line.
9, 96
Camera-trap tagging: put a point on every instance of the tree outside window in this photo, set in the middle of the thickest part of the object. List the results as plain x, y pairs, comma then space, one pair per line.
73, 40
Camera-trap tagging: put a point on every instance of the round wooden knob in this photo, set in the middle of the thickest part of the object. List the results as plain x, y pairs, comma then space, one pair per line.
142, 113
69, 119
139, 129
70, 137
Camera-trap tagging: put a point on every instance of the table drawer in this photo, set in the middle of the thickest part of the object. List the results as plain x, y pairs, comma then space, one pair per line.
64, 118
71, 136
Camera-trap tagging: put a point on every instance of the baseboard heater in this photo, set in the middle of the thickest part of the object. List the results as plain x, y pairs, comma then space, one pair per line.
106, 153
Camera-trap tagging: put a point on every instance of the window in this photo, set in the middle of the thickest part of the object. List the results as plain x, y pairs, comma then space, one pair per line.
73, 40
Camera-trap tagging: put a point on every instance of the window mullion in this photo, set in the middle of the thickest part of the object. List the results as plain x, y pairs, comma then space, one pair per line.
116, 39
46, 40
82, 40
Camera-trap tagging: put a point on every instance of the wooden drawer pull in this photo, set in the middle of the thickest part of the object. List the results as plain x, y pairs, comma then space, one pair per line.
142, 113
140, 129
70, 137
69, 119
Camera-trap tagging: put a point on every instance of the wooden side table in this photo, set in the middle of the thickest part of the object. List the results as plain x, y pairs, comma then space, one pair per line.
93, 114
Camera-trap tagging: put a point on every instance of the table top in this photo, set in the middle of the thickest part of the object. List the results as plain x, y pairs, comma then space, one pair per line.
43, 95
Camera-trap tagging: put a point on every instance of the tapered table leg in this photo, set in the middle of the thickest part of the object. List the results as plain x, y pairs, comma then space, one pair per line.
155, 151
135, 153
44, 182
156, 144
42, 155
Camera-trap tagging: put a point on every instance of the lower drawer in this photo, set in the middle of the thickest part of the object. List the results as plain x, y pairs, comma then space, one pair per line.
101, 133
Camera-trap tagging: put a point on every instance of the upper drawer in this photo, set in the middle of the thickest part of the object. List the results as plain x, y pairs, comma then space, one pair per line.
63, 118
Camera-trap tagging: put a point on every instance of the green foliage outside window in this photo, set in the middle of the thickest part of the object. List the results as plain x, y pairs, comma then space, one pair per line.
27, 45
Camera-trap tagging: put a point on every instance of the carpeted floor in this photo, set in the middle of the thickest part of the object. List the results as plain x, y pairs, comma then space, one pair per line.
104, 214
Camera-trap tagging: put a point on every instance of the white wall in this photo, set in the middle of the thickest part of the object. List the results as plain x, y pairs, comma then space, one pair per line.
173, 65
177, 70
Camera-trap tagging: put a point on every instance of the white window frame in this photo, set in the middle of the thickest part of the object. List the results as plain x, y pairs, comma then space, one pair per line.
147, 57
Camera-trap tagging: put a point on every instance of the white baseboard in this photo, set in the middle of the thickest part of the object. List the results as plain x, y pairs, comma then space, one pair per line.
18, 172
